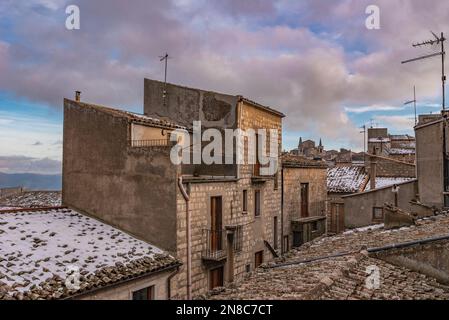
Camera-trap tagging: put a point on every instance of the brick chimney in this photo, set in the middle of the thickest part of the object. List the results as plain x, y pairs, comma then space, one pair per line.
77, 96
372, 172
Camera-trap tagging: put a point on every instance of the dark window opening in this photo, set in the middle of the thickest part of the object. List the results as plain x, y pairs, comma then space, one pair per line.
258, 259
245, 201
144, 294
378, 214
304, 200
257, 203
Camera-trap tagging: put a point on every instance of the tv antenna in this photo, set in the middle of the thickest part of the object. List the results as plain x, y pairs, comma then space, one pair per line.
364, 141
165, 58
438, 40
414, 103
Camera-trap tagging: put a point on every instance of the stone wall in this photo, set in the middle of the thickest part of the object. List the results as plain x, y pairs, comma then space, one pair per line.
293, 178
387, 167
256, 230
431, 259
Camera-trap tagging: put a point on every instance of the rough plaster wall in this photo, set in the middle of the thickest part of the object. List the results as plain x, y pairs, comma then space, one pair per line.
185, 105
429, 151
124, 291
359, 208
132, 189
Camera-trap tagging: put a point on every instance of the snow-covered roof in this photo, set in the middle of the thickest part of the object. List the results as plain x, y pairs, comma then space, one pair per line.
32, 199
289, 160
401, 137
131, 116
401, 151
379, 140
347, 179
382, 182
39, 249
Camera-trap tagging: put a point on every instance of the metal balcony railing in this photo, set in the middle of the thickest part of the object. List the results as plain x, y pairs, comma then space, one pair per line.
151, 143
215, 248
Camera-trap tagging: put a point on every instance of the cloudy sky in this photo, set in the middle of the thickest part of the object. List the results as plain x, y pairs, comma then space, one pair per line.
312, 59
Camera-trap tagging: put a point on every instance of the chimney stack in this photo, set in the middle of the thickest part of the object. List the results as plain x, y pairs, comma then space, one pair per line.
77, 96
373, 173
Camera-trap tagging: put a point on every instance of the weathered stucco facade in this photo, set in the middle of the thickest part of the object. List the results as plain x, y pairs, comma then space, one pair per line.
367, 208
159, 284
430, 160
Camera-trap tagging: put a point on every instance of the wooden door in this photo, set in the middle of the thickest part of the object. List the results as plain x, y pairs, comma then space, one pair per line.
216, 278
304, 200
216, 224
258, 259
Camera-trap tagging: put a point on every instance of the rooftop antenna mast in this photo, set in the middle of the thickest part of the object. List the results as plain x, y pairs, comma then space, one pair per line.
165, 58
438, 40
364, 141
414, 104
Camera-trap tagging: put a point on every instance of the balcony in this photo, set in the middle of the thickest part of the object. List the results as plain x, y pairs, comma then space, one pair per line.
216, 242
261, 173
151, 143
215, 249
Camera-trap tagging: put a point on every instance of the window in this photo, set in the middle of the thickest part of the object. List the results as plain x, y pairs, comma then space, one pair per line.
257, 203
245, 201
238, 239
248, 268
304, 200
286, 244
258, 259
144, 294
378, 213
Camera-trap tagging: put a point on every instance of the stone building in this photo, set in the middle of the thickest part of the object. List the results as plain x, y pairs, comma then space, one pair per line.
357, 194
398, 147
60, 253
304, 199
309, 149
220, 220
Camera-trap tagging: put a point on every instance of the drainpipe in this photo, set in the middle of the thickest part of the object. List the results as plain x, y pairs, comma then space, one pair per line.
283, 249
169, 282
188, 238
